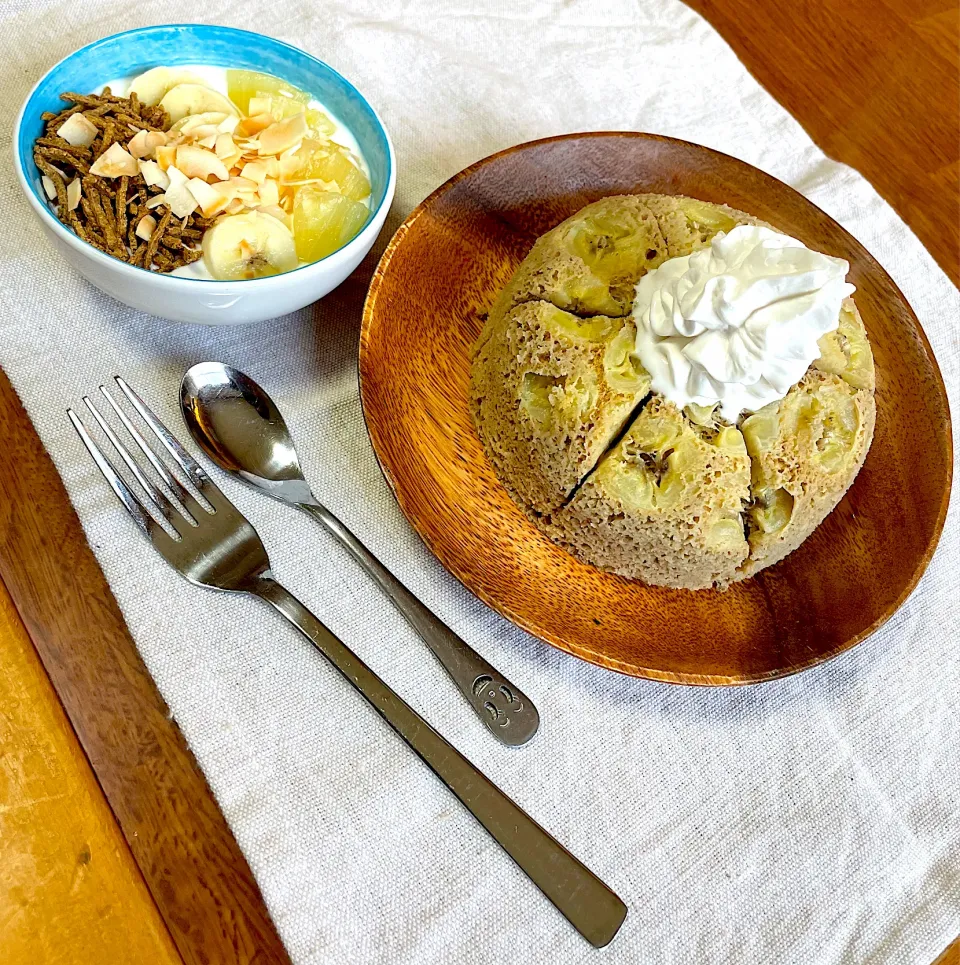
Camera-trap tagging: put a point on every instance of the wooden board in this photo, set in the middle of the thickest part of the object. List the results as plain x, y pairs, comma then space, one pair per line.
856, 74
189, 860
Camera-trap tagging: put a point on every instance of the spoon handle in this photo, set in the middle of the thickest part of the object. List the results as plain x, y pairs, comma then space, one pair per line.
505, 710
587, 903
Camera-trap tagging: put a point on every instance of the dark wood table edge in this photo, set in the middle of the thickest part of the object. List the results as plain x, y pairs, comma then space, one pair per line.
176, 833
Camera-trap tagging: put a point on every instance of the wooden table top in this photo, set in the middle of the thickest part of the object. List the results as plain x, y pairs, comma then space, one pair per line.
876, 83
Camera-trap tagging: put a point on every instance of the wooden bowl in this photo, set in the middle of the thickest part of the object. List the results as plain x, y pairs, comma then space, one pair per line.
424, 310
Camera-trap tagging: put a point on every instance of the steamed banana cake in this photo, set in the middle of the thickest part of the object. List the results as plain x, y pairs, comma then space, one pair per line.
720, 455
575, 382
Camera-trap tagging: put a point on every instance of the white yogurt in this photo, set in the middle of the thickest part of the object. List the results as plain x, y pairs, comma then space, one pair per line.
216, 78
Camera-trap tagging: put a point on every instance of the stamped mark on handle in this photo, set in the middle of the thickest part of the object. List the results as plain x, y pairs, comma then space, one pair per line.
498, 700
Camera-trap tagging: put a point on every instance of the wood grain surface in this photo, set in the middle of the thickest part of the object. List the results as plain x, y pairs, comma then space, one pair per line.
68, 891
875, 83
435, 283
950, 955
857, 74
189, 860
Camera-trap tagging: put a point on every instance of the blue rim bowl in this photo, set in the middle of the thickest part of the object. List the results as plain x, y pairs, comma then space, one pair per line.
133, 51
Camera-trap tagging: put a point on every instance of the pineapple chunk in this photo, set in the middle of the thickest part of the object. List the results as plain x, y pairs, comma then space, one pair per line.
833, 359
839, 424
632, 485
701, 415
762, 429
319, 124
726, 533
279, 105
244, 84
324, 222
329, 162
732, 440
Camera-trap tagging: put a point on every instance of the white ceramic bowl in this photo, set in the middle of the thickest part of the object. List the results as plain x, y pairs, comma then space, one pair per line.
189, 299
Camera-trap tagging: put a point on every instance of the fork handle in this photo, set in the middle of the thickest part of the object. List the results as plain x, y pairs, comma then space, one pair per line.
504, 709
587, 903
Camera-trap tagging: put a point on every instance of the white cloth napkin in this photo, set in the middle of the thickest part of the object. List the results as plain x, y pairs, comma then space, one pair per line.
812, 820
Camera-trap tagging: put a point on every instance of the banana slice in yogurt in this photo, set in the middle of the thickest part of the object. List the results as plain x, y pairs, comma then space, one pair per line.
251, 245
186, 99
152, 85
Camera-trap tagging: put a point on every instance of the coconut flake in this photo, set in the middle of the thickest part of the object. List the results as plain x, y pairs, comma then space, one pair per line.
178, 196
78, 131
154, 175
137, 145
242, 185
202, 132
190, 123
211, 200
166, 156
225, 147
288, 167
114, 163
74, 190
146, 227
156, 139
275, 211
156, 201
254, 124
49, 188
255, 171
145, 143
269, 192
198, 162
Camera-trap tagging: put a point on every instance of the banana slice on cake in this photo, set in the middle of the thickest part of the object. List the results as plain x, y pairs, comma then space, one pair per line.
251, 245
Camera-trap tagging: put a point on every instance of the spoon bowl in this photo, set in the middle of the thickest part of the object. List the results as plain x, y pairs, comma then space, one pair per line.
241, 429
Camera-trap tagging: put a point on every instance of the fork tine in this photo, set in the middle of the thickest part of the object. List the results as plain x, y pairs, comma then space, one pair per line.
123, 492
173, 484
180, 455
161, 501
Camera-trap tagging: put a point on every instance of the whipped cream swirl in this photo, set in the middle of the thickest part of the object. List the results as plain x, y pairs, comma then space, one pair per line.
737, 322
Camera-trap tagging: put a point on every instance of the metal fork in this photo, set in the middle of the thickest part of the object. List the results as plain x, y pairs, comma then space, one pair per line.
215, 546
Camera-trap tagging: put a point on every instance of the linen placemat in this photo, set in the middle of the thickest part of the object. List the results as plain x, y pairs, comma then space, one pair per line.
814, 820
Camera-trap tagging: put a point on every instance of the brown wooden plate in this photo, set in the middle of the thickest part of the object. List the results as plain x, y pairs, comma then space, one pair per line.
438, 276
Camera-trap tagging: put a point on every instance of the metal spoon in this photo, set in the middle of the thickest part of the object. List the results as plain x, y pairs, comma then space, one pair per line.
240, 428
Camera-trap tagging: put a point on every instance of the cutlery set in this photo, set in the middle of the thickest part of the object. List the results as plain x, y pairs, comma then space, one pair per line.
199, 532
